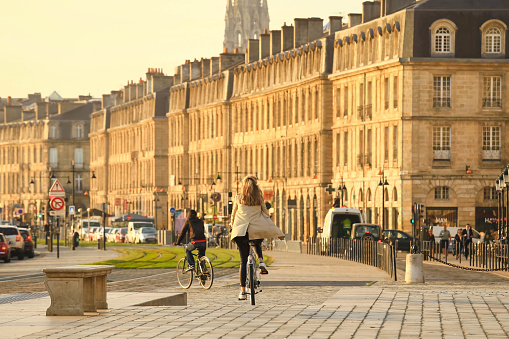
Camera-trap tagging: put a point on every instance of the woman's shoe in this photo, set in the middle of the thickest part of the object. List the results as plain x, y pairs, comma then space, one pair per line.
263, 268
242, 296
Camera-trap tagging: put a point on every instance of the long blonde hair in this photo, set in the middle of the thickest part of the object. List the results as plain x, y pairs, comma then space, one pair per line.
251, 193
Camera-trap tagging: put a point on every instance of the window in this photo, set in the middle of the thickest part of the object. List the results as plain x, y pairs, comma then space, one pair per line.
53, 157
492, 92
493, 41
442, 91
53, 132
442, 193
443, 40
338, 102
395, 91
78, 157
443, 36
78, 131
386, 87
490, 193
345, 102
386, 148
78, 183
345, 149
395, 143
491, 143
441, 143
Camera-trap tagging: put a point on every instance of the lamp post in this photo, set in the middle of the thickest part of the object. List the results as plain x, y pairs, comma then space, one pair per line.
383, 182
506, 182
342, 188
498, 187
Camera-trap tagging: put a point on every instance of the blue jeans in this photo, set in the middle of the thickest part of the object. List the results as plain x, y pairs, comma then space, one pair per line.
200, 246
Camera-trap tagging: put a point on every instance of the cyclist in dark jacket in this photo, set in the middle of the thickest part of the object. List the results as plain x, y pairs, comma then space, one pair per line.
196, 229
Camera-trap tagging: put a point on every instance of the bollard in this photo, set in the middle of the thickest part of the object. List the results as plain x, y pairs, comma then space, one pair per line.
414, 272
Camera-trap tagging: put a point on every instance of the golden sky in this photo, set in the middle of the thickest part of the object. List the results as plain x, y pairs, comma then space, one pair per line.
95, 46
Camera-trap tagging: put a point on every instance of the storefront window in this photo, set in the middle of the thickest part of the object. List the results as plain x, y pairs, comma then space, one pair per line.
486, 218
442, 216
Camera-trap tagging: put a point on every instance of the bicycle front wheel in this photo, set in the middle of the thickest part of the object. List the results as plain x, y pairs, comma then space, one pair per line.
184, 276
207, 273
252, 283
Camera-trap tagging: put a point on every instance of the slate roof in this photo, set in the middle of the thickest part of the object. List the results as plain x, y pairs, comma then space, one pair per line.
463, 4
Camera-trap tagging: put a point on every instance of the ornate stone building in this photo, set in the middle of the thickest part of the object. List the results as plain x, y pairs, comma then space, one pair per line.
245, 19
46, 141
129, 149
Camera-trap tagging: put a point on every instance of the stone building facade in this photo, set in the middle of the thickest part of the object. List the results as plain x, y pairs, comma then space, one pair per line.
244, 20
129, 149
39, 144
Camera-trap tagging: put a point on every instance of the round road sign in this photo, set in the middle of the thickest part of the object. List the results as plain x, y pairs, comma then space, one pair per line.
214, 217
57, 203
128, 217
172, 210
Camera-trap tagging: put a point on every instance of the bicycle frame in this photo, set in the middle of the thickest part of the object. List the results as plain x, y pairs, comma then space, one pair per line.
254, 274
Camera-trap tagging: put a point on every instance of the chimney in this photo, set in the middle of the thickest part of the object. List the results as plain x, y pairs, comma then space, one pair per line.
9, 100
252, 51
370, 10
264, 47
159, 81
335, 24
315, 29
132, 91
286, 38
12, 113
300, 34
41, 110
140, 89
195, 70
108, 100
185, 70
214, 65
227, 60
275, 42
354, 19
205, 67
66, 106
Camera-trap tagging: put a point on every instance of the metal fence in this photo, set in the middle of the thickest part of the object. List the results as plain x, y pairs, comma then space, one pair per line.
377, 254
475, 257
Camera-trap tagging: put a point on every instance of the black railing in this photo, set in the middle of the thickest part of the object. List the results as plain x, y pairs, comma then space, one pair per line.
478, 257
377, 254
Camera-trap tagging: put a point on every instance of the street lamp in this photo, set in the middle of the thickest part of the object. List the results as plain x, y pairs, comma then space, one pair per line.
383, 182
342, 188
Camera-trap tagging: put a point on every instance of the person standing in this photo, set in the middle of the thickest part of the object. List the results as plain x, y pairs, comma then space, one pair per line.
458, 243
250, 224
431, 241
467, 239
444, 236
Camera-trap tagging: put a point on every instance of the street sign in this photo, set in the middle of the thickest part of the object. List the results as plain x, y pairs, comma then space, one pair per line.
118, 201
18, 211
71, 210
172, 210
128, 217
57, 203
57, 190
52, 213
125, 204
214, 217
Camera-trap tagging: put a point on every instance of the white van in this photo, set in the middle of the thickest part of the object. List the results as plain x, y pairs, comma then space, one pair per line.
133, 227
338, 222
84, 227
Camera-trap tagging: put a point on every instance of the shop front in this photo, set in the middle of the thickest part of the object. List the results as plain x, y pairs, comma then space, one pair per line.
442, 216
486, 219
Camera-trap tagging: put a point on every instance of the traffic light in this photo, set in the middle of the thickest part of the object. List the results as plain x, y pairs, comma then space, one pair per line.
230, 207
40, 215
412, 221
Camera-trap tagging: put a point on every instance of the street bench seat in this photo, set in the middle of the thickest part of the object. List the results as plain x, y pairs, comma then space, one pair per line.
76, 289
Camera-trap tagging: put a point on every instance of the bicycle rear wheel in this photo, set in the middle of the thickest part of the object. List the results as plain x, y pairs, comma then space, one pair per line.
252, 282
207, 273
184, 276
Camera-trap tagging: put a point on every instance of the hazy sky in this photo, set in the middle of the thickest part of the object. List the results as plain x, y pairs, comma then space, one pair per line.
95, 46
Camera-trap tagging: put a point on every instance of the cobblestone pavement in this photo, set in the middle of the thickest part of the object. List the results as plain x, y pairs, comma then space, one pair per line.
307, 296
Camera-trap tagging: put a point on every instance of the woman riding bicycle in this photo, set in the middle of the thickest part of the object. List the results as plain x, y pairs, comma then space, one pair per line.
250, 224
197, 237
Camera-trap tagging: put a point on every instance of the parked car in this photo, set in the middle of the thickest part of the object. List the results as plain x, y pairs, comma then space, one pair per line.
100, 232
91, 233
5, 249
110, 234
338, 222
120, 236
402, 239
15, 239
29, 242
133, 227
146, 235
371, 232
85, 225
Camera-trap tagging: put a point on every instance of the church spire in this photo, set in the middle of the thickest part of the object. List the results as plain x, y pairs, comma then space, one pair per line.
244, 20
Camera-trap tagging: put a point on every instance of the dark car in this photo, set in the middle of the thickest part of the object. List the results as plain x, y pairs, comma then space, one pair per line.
402, 239
369, 232
5, 249
29, 241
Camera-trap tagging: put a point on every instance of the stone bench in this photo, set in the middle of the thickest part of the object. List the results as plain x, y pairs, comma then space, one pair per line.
76, 289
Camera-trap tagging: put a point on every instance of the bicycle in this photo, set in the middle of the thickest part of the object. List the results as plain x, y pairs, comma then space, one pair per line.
203, 270
253, 276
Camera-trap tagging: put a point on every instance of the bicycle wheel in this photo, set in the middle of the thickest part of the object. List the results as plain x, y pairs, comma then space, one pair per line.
252, 282
207, 273
184, 277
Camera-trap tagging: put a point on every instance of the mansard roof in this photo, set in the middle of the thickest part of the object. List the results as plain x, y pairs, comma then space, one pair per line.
462, 4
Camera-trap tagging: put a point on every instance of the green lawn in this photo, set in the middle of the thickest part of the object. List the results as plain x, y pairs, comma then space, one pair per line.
168, 258
84, 243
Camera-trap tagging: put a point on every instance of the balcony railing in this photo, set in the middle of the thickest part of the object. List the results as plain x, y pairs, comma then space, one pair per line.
441, 154
364, 112
360, 113
368, 112
491, 154
367, 159
491, 103
360, 160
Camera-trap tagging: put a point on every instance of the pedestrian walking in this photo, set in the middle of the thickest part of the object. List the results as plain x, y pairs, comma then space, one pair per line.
458, 243
444, 235
467, 239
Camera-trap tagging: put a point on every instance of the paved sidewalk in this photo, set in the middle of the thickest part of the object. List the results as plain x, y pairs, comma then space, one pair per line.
303, 296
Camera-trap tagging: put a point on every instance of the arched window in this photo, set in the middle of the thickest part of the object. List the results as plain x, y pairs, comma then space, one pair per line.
395, 194
443, 33
386, 194
239, 39
493, 41
368, 195
78, 131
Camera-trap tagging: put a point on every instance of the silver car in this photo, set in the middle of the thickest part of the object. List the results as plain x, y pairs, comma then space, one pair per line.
15, 239
146, 235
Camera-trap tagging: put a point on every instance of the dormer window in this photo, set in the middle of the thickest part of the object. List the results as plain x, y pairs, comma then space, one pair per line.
53, 132
443, 38
493, 39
